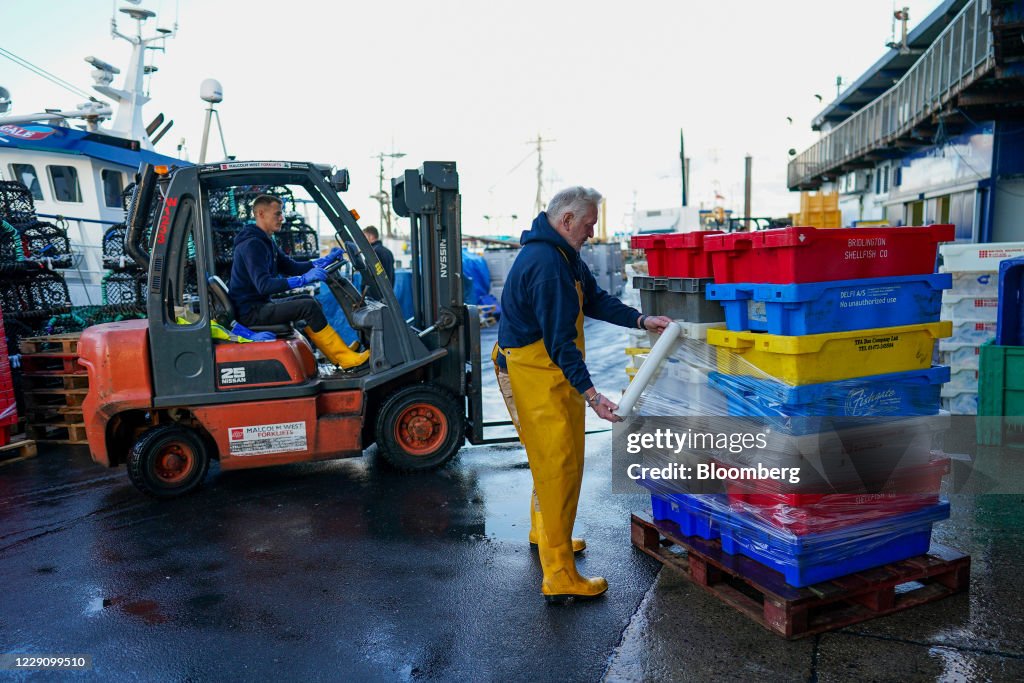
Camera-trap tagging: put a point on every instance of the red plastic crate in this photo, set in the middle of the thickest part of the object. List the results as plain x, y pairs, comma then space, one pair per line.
802, 254
676, 254
803, 513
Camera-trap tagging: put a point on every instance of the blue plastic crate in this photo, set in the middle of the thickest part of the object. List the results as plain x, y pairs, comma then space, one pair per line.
813, 558
838, 306
1010, 315
896, 394
692, 514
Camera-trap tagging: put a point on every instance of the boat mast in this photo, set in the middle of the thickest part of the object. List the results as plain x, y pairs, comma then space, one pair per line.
128, 122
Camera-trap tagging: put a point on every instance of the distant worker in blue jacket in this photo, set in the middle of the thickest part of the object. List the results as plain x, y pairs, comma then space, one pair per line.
261, 269
539, 360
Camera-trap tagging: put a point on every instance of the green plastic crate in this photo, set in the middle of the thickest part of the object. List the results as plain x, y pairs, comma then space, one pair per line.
1000, 394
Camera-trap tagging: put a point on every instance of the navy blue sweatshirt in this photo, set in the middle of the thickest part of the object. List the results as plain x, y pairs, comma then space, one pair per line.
539, 301
259, 269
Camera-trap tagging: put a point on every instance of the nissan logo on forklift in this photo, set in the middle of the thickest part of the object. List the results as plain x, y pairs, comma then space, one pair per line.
166, 398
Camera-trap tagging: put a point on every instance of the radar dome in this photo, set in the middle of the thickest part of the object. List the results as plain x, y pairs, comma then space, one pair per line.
211, 91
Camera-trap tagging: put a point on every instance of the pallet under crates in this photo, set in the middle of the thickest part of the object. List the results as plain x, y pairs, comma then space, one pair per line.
764, 596
16, 451
55, 387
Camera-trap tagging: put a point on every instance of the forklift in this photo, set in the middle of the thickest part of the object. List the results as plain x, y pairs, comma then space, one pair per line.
165, 398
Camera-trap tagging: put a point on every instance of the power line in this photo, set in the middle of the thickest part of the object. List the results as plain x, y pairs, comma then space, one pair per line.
43, 73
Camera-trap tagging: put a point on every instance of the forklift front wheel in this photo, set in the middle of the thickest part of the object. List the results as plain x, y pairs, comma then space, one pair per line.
168, 461
419, 428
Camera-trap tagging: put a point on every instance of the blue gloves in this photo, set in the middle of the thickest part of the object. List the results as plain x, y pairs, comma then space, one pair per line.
325, 261
315, 274
242, 331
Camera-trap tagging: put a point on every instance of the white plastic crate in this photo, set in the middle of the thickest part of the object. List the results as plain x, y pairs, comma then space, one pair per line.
969, 332
978, 257
980, 283
960, 402
960, 356
962, 307
964, 379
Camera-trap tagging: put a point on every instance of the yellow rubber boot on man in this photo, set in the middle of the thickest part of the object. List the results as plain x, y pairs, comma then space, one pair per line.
536, 521
335, 348
562, 581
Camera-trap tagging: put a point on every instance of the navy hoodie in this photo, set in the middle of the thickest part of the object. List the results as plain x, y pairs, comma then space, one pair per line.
259, 269
539, 301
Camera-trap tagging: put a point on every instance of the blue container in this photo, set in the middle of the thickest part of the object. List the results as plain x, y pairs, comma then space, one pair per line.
1010, 315
692, 514
838, 306
897, 394
813, 558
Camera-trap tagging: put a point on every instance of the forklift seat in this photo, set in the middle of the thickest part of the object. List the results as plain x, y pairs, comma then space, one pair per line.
223, 307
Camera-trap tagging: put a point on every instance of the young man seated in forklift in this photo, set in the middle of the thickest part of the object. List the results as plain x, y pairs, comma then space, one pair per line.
261, 269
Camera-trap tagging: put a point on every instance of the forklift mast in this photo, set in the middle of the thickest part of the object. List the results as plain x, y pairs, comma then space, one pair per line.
429, 197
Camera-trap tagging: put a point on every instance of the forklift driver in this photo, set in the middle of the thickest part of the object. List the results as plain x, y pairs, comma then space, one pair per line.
260, 269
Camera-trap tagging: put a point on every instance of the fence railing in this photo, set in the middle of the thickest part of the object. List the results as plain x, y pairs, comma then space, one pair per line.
961, 54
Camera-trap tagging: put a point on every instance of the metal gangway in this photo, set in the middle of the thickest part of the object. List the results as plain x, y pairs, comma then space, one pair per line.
961, 55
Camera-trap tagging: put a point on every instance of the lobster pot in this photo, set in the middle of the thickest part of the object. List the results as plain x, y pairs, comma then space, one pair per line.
42, 241
34, 293
124, 289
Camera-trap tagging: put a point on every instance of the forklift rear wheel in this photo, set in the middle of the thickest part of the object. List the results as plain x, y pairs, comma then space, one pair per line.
168, 461
419, 428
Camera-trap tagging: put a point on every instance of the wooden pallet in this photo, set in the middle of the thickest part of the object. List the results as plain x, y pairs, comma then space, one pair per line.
58, 432
55, 381
764, 596
55, 343
17, 451
51, 365
54, 397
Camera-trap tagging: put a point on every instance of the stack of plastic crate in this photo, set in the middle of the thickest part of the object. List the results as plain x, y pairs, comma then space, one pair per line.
678, 274
1001, 370
971, 305
606, 265
829, 345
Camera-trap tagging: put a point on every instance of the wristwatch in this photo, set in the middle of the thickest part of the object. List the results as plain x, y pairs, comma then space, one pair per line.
594, 400
640, 321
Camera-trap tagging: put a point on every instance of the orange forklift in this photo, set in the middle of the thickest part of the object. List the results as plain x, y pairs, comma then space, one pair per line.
165, 398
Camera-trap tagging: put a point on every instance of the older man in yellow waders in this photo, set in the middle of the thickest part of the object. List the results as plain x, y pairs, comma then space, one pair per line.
543, 378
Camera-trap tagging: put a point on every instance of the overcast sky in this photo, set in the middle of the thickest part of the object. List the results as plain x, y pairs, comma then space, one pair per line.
611, 83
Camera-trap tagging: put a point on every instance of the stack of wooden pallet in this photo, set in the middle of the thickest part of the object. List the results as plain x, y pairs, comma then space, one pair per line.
55, 386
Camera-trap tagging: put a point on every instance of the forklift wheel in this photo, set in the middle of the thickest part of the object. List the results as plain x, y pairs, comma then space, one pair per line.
419, 428
168, 461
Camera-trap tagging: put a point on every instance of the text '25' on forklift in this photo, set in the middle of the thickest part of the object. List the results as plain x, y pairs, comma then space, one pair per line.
164, 397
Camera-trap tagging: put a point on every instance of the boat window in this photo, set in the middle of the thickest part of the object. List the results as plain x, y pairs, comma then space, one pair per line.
113, 186
64, 180
26, 175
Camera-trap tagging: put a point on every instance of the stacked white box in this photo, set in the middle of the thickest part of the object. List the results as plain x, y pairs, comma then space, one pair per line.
971, 305
499, 262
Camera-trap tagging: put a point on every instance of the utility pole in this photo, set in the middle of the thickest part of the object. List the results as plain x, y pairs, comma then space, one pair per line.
383, 197
538, 204
683, 165
746, 192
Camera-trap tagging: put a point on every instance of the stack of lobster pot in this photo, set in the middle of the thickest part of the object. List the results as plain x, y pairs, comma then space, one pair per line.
971, 305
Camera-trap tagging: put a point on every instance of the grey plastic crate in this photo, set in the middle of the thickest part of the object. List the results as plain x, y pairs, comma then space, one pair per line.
679, 298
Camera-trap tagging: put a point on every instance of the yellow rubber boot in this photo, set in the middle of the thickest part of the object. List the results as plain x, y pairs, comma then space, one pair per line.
578, 544
562, 582
336, 350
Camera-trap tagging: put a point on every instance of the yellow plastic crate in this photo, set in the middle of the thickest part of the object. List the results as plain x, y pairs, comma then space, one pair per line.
814, 358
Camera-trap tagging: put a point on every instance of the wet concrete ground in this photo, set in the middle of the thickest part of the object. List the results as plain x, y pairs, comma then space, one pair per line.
349, 571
